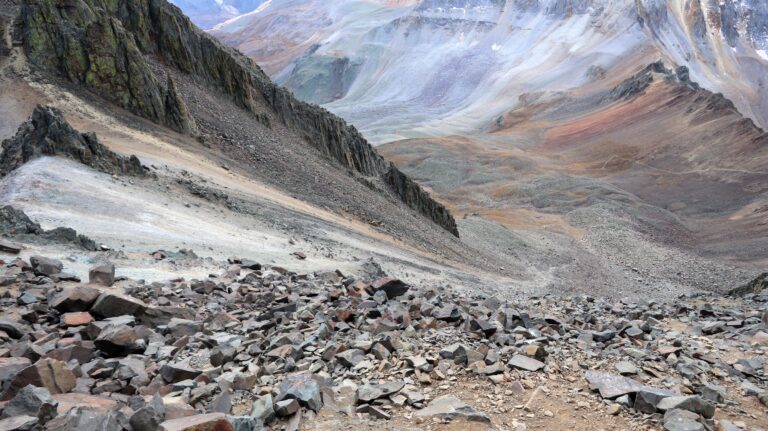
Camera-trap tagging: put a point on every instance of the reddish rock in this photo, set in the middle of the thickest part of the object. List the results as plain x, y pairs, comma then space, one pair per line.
70, 401
208, 422
77, 318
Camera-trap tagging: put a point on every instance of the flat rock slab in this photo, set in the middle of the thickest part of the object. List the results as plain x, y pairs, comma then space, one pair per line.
450, 408
611, 385
370, 392
208, 422
9, 247
525, 363
19, 423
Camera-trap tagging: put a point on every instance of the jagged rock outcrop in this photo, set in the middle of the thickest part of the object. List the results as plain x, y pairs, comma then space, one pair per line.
643, 79
416, 197
47, 133
16, 224
102, 44
84, 43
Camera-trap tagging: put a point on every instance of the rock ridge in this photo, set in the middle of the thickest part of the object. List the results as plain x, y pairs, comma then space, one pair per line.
47, 133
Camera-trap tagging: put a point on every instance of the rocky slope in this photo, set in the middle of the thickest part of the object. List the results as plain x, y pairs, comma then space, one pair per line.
107, 48
256, 347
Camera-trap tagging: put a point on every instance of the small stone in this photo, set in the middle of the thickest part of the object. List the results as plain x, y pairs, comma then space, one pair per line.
287, 407
525, 363
77, 318
614, 409
449, 408
46, 266
206, 422
103, 275
32, 401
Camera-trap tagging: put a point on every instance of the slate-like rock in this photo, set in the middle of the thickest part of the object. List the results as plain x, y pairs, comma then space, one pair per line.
113, 305
681, 420
149, 417
19, 423
610, 385
206, 422
302, 387
32, 401
391, 286
46, 266
79, 298
371, 391
13, 329
691, 403
103, 275
522, 362
449, 407
48, 373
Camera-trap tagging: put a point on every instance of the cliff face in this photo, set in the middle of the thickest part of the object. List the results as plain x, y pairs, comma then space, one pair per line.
84, 43
46, 133
102, 44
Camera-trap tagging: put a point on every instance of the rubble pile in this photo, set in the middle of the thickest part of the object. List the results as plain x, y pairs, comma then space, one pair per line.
255, 347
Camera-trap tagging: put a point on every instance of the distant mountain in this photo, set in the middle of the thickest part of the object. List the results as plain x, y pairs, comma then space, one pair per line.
451, 65
208, 13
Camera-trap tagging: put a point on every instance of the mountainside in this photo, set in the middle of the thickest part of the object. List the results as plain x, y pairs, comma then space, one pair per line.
85, 44
629, 133
441, 67
187, 246
208, 13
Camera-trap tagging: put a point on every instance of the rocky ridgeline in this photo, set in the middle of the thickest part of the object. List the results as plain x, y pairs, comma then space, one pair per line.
46, 133
254, 347
102, 45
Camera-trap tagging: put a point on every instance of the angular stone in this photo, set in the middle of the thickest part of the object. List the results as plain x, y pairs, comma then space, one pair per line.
626, 368
9, 367
373, 411
113, 305
118, 340
79, 298
525, 363
103, 275
691, 403
149, 417
391, 286
19, 423
46, 266
681, 420
32, 401
646, 399
302, 387
9, 247
350, 358
287, 407
610, 385
371, 391
77, 318
448, 407
263, 409
178, 371
206, 422
48, 373
13, 329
